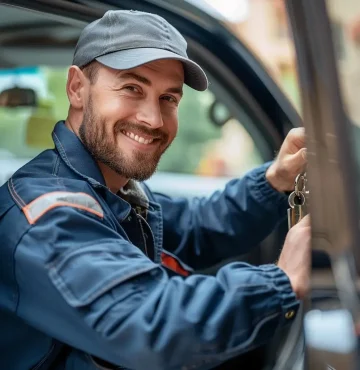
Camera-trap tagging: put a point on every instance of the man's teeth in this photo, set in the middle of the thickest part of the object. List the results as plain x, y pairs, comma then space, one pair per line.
137, 138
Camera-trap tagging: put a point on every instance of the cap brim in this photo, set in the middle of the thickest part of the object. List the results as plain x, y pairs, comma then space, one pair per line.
194, 76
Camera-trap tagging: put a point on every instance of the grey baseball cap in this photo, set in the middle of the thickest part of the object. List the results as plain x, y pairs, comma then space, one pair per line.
124, 39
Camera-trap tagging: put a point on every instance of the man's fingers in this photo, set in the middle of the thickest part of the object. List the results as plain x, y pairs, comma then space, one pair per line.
297, 137
296, 163
300, 156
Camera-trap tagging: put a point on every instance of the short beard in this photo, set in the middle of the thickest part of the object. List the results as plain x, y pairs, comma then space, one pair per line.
104, 149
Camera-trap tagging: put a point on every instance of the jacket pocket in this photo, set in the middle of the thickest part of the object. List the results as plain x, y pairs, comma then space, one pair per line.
84, 274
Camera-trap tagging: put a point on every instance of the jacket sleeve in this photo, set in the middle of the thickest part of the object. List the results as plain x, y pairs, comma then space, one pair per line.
204, 231
81, 283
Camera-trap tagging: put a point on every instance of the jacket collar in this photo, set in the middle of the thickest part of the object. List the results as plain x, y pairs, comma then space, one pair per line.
134, 194
75, 155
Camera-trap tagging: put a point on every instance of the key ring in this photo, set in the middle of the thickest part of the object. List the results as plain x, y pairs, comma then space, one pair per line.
296, 199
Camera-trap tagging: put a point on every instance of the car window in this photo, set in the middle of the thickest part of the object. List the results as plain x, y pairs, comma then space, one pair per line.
345, 21
33, 72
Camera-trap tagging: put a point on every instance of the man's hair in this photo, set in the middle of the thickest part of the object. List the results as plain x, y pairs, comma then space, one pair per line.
91, 71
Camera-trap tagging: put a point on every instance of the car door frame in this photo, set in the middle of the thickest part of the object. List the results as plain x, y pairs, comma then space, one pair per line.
332, 172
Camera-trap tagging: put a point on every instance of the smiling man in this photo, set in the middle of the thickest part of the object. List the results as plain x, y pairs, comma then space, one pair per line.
99, 272
120, 124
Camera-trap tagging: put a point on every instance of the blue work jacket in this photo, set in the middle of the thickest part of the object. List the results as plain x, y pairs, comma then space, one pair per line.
112, 275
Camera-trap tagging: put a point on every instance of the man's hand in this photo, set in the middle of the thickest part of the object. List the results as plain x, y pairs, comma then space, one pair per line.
295, 258
290, 161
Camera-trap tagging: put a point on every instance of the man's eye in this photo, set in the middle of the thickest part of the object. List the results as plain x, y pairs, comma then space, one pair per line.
132, 88
169, 98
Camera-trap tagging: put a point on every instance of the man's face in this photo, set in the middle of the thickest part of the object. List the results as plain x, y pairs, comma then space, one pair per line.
131, 117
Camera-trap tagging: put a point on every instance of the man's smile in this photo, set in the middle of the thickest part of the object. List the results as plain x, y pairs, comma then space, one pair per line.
138, 138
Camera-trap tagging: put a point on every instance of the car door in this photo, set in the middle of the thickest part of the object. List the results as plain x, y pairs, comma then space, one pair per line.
326, 34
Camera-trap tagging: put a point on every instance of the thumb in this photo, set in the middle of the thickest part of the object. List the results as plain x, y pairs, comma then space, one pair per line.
295, 139
302, 154
299, 160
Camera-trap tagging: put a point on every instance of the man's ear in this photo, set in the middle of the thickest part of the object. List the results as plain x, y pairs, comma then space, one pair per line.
76, 87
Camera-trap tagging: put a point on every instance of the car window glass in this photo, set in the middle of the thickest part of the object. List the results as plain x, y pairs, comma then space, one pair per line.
33, 72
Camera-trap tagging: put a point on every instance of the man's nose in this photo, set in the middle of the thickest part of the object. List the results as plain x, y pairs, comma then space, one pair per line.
150, 114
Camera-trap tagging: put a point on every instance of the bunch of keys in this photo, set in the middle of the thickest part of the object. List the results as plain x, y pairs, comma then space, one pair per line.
298, 201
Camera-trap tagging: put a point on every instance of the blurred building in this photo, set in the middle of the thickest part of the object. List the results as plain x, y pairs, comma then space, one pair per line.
265, 31
345, 16
262, 25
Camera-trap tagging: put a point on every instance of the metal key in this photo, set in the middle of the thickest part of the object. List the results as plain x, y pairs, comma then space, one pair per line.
297, 201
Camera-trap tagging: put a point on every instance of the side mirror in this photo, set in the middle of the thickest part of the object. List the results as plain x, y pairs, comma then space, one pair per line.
18, 97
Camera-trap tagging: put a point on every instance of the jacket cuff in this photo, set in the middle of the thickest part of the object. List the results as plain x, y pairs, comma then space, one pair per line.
264, 193
289, 304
